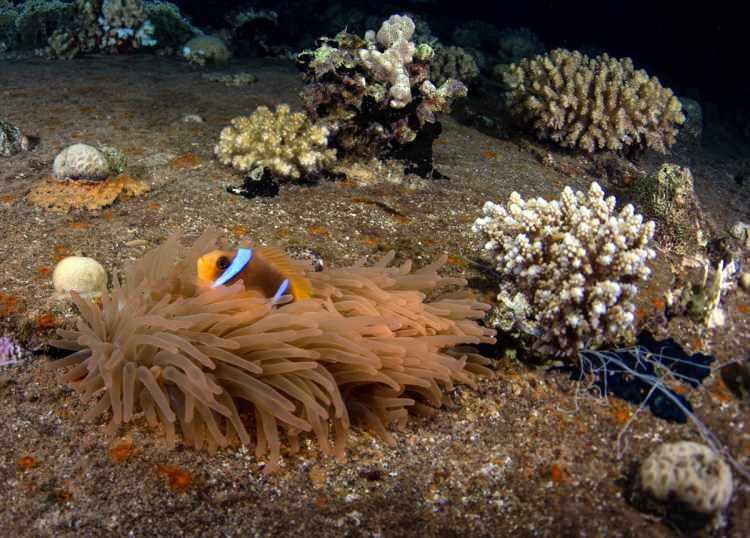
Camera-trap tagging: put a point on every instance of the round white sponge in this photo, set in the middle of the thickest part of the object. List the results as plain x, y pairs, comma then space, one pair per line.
85, 276
688, 472
81, 161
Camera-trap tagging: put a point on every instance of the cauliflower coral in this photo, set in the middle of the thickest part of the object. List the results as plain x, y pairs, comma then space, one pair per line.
284, 144
570, 268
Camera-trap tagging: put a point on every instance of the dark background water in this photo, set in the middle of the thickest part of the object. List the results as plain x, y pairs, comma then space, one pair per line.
699, 51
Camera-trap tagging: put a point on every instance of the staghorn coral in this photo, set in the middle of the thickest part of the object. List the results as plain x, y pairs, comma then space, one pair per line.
369, 93
212, 366
592, 103
569, 268
285, 144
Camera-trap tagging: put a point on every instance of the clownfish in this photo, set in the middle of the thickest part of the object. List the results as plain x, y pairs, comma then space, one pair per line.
266, 270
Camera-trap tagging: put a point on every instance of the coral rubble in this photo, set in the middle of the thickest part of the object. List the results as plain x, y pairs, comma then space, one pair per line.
210, 365
12, 140
284, 144
374, 93
592, 103
569, 268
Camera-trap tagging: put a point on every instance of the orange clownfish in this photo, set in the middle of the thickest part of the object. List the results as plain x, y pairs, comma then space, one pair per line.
265, 270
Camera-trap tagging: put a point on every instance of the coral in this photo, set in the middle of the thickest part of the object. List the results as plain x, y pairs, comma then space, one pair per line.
123, 13
453, 62
515, 44
38, 19
569, 268
592, 104
211, 366
8, 16
81, 161
232, 79
282, 143
171, 28
11, 140
10, 352
125, 25
85, 276
66, 195
206, 49
690, 473
369, 92
667, 195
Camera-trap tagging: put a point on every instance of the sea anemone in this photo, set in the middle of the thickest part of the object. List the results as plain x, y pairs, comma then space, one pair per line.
211, 366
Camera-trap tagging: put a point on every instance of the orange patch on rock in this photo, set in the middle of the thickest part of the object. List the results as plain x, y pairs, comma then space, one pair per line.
456, 261
620, 411
176, 478
78, 225
46, 321
8, 304
7, 199
60, 252
557, 474
317, 230
186, 161
121, 450
27, 462
44, 271
239, 230
742, 308
489, 154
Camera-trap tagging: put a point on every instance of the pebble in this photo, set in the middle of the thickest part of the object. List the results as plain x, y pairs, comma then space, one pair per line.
85, 276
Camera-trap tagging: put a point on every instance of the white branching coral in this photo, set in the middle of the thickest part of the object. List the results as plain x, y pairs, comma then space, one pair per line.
390, 65
569, 268
282, 143
593, 103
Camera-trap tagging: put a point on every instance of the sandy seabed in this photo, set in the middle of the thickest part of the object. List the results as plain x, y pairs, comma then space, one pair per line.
522, 455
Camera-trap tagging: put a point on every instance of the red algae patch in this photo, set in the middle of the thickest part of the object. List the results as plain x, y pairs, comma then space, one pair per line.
27, 462
121, 450
176, 477
186, 161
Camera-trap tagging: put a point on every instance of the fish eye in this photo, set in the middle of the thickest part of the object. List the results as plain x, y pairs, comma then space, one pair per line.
222, 263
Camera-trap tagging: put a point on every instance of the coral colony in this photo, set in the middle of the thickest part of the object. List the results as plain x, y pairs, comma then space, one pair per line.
219, 340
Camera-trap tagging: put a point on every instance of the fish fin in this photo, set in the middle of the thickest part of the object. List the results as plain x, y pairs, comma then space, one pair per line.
281, 291
299, 285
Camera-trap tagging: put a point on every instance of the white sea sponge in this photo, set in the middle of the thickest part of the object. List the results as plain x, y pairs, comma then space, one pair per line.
81, 161
688, 472
575, 262
86, 276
